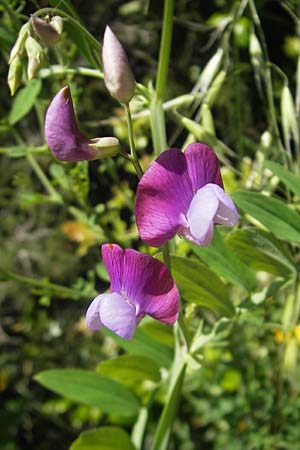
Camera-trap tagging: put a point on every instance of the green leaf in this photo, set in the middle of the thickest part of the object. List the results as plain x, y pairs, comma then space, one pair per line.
92, 389
141, 344
291, 181
159, 331
274, 214
261, 251
226, 264
24, 100
130, 370
104, 438
198, 284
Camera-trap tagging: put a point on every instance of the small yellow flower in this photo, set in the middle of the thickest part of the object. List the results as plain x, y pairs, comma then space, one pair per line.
81, 233
279, 336
297, 333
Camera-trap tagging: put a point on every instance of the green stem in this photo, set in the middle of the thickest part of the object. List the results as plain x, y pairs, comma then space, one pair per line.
158, 127
165, 49
157, 115
45, 285
133, 154
56, 197
38, 149
163, 431
57, 69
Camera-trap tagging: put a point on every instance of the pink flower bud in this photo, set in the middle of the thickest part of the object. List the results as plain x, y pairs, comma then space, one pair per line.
47, 31
118, 76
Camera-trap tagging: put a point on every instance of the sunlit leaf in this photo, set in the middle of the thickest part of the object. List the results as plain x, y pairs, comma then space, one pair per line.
130, 370
104, 438
291, 181
198, 284
24, 100
260, 250
225, 263
274, 214
92, 389
141, 344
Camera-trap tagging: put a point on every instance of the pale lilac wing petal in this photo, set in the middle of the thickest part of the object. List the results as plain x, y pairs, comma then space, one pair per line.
149, 285
92, 318
202, 165
163, 195
62, 134
113, 259
210, 205
227, 213
200, 216
118, 315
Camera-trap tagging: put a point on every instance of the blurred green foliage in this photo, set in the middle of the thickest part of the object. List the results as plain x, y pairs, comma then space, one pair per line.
246, 393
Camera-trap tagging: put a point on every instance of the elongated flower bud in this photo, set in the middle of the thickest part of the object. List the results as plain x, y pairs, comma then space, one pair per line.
35, 55
14, 77
118, 76
48, 32
18, 48
64, 138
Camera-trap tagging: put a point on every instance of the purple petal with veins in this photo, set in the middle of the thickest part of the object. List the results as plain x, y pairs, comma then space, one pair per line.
62, 134
140, 285
183, 193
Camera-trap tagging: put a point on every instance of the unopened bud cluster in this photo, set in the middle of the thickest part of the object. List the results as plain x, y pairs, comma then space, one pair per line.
46, 30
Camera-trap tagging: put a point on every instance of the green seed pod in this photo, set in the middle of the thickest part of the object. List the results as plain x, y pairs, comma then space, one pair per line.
19, 46
15, 72
288, 117
215, 88
255, 51
35, 55
210, 71
291, 355
207, 119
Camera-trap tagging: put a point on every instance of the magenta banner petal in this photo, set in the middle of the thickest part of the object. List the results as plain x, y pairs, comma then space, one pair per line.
149, 285
93, 320
202, 165
62, 134
163, 194
118, 315
113, 259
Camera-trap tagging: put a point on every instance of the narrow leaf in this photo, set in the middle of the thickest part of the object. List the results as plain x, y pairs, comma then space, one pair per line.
225, 263
274, 214
291, 181
260, 250
130, 370
92, 389
104, 438
198, 284
24, 100
141, 344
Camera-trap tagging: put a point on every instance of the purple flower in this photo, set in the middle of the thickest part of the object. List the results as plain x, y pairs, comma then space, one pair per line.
140, 285
183, 193
64, 138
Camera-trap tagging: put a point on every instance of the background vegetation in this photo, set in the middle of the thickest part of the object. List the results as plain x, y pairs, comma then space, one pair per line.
55, 216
